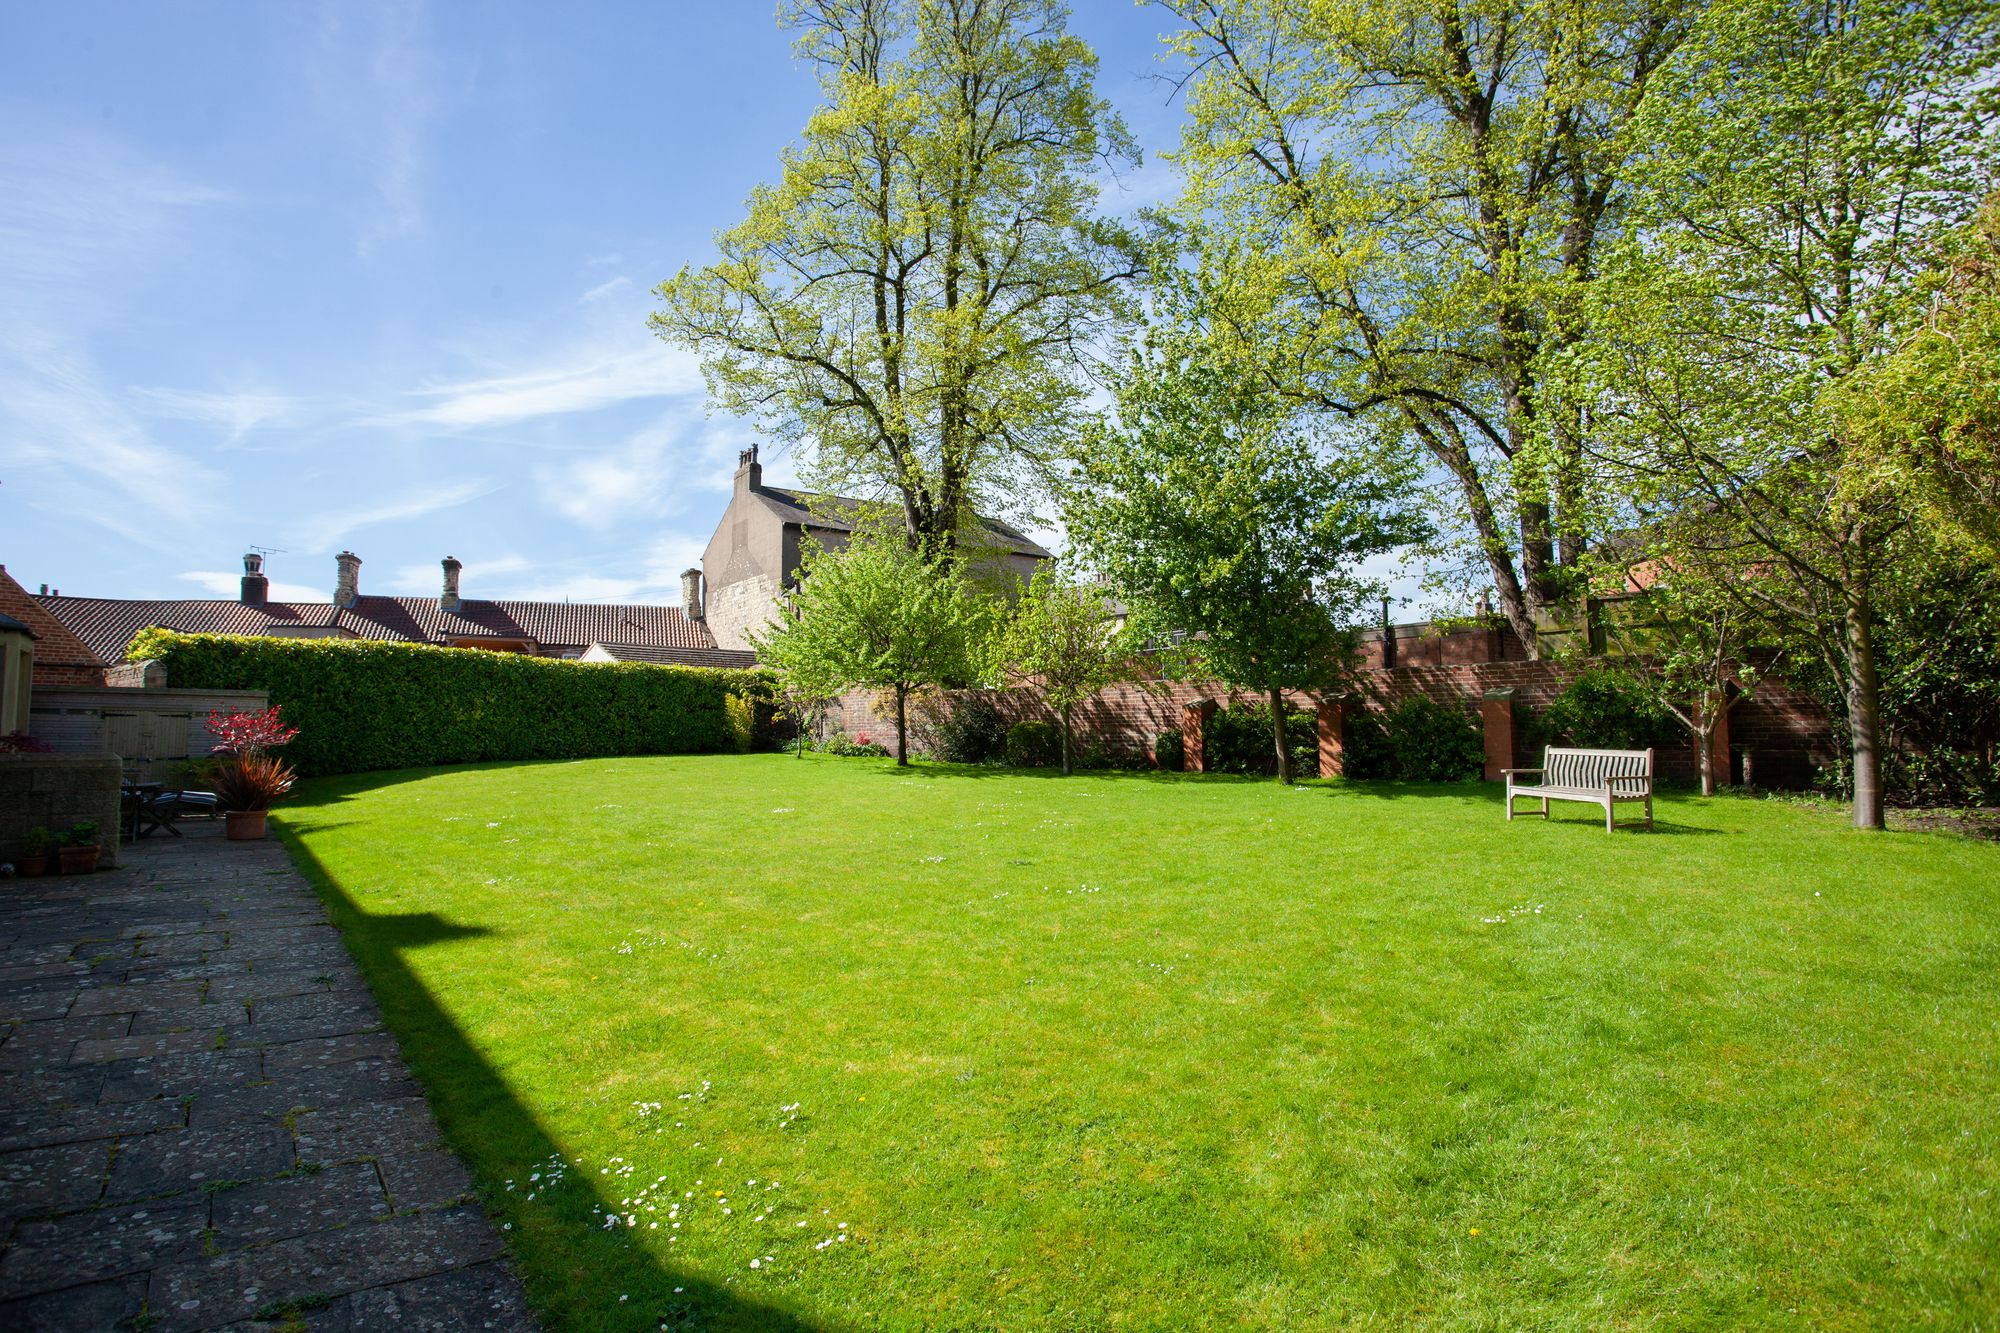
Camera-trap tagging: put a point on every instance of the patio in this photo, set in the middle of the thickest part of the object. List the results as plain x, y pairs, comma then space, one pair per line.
202, 1120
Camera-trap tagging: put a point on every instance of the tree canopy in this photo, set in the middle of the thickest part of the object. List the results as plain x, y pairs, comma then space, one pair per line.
1215, 509
915, 300
1060, 640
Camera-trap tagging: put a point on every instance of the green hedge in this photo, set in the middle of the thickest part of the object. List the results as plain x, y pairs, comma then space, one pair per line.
361, 704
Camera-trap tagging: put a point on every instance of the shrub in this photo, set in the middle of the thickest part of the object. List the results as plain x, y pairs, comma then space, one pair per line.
1433, 742
250, 781
1170, 751
1238, 740
363, 704
1034, 745
970, 732
1364, 748
742, 722
840, 743
1912, 780
1606, 710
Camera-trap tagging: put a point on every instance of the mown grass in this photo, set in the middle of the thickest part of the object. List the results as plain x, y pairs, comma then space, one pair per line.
1127, 1052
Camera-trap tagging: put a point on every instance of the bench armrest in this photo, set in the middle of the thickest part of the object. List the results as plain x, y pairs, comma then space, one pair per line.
1523, 770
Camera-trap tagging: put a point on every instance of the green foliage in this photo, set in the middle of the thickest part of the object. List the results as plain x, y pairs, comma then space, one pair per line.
854, 747
80, 834
878, 612
1059, 643
1607, 709
1401, 200
913, 301
1433, 742
362, 704
742, 715
1238, 740
1220, 515
970, 732
37, 841
1170, 751
1925, 419
1034, 744
1365, 752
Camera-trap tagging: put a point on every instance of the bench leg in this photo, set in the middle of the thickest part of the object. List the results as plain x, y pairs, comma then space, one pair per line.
1649, 812
1607, 816
1545, 807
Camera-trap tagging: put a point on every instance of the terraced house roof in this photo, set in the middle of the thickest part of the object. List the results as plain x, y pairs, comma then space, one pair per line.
107, 624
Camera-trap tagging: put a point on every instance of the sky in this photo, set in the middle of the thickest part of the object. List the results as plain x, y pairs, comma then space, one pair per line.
374, 275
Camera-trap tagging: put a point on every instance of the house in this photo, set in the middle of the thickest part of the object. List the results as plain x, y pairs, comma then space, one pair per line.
57, 655
102, 627
753, 559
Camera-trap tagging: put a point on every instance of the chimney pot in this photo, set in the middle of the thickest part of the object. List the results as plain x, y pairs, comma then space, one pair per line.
255, 589
347, 580
749, 472
691, 593
448, 599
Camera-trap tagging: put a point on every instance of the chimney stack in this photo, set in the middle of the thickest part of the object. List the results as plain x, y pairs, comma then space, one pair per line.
691, 593
256, 588
749, 472
347, 583
448, 599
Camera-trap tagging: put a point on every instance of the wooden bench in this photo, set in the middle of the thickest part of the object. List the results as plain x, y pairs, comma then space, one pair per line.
1600, 777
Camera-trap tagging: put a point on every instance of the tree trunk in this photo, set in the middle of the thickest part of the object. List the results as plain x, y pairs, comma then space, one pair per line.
1704, 747
1065, 740
1278, 736
1864, 718
902, 730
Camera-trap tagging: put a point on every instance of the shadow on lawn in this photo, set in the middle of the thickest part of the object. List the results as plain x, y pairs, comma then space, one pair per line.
474, 1103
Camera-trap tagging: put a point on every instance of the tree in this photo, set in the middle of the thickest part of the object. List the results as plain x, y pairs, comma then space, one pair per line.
1407, 197
915, 298
1060, 639
1793, 154
876, 612
1925, 419
1216, 511
1684, 642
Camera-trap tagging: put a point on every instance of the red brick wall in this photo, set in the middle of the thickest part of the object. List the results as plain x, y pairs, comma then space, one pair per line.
1787, 733
49, 673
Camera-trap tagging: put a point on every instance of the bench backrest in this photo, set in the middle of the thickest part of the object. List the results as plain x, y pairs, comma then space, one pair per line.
1591, 769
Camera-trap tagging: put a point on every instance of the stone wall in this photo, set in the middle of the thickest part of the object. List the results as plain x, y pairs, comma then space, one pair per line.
54, 791
734, 609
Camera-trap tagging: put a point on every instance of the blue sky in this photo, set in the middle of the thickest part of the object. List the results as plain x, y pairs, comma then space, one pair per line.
376, 276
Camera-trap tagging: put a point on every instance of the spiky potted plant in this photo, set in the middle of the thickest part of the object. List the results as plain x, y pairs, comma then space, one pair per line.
77, 848
247, 778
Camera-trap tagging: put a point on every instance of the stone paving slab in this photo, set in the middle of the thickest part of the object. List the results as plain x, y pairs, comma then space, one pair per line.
203, 1123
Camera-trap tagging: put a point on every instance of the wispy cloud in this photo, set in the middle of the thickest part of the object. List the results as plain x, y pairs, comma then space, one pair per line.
675, 454
222, 583
480, 576
237, 411
381, 82
652, 575
322, 531
576, 384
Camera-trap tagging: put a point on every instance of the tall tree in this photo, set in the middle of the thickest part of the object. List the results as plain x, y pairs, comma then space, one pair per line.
1794, 156
1060, 640
1925, 419
916, 297
1219, 513
1408, 196
878, 612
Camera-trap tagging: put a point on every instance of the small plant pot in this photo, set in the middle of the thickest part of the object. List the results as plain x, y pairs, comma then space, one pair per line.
78, 860
245, 825
32, 867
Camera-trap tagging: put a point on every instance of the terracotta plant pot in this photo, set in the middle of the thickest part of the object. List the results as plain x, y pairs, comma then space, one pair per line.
245, 825
30, 867
78, 860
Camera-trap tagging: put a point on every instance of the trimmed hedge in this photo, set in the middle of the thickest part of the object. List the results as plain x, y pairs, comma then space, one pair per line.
363, 704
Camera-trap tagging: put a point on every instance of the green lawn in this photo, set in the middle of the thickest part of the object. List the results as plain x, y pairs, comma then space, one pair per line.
1129, 1052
